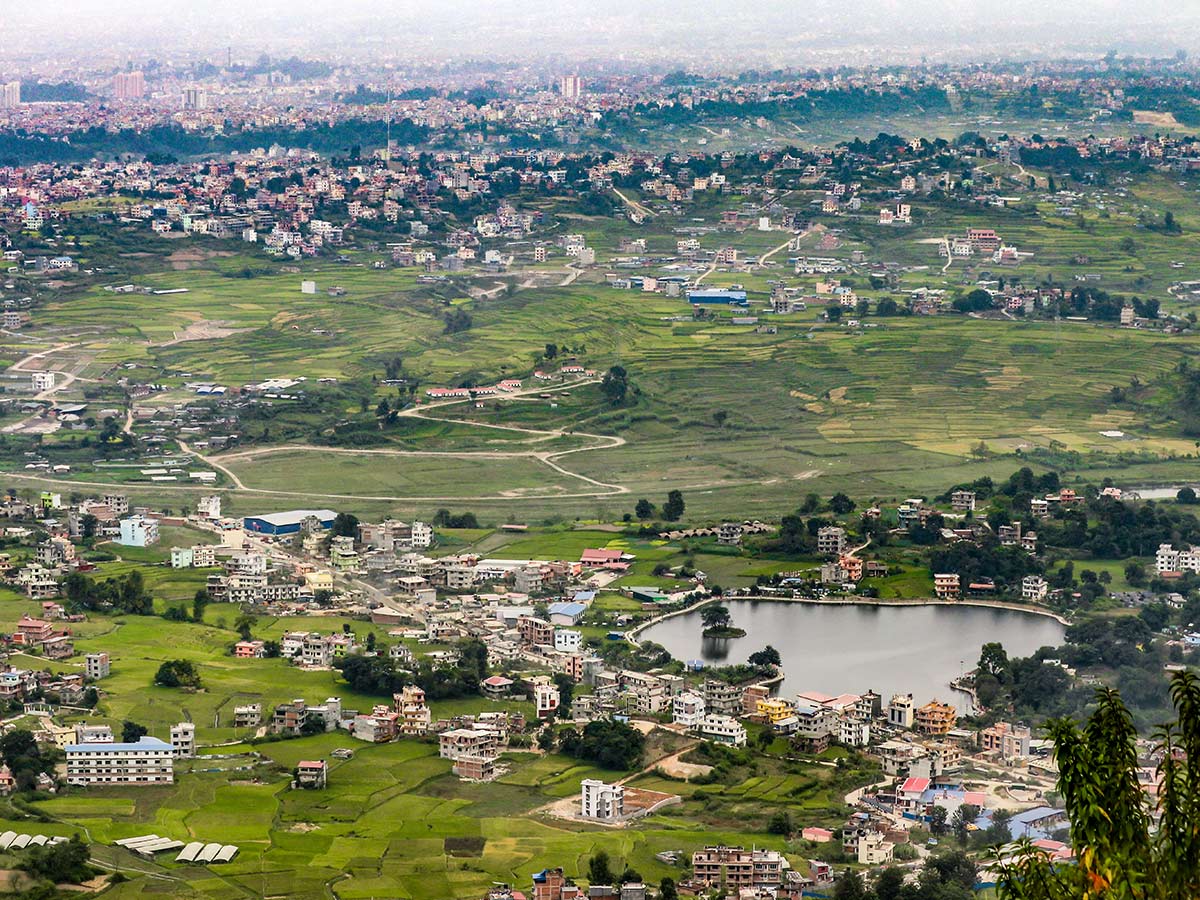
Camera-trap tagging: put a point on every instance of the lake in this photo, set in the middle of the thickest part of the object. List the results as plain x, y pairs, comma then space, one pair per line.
852, 648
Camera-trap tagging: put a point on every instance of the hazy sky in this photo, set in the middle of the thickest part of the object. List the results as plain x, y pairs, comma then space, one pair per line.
900, 30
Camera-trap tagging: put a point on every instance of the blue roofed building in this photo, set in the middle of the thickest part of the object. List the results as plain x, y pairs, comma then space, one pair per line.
567, 613
287, 522
719, 297
1039, 823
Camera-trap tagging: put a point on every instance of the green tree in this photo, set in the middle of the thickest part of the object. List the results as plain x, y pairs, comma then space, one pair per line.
177, 673
767, 656
1120, 848
841, 504
615, 385
781, 821
964, 817
599, 869
850, 887
344, 525
715, 615
672, 510
131, 732
199, 602
667, 890
644, 509
62, 863
993, 659
937, 820
566, 692
890, 882
243, 625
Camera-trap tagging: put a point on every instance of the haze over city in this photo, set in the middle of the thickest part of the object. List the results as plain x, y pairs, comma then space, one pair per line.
600, 450
724, 36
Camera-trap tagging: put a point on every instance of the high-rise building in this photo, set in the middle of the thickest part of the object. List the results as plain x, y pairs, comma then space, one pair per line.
571, 87
129, 85
10, 95
195, 98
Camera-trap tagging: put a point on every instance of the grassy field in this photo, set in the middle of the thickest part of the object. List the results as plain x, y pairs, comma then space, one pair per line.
392, 821
743, 422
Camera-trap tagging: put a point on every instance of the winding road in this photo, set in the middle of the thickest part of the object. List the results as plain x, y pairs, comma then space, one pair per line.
547, 458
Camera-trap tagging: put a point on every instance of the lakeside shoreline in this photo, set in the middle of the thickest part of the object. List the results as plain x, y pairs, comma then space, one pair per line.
632, 634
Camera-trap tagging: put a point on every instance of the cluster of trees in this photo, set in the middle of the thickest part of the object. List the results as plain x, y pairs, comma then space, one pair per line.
672, 509
600, 871
63, 863
458, 319
945, 876
608, 744
24, 758
1006, 566
615, 386
123, 594
177, 673
1031, 687
379, 675
443, 518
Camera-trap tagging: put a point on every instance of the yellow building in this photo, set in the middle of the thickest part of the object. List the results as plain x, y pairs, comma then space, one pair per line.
935, 718
774, 710
319, 581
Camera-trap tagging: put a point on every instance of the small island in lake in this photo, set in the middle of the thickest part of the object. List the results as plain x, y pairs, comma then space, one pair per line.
718, 623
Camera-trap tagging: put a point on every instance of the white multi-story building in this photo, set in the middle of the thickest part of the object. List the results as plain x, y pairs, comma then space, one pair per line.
602, 801
209, 507
1034, 588
422, 534
149, 761
687, 709
853, 733
41, 381
545, 698
901, 711
567, 641
138, 531
183, 740
96, 666
1168, 559
723, 730
93, 734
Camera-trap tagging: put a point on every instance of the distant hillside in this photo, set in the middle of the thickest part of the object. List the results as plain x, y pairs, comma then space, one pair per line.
46, 92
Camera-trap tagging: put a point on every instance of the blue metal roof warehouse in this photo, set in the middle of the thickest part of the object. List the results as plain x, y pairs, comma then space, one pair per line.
732, 296
287, 522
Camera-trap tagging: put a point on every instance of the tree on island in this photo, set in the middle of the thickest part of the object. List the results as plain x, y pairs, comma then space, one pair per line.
715, 617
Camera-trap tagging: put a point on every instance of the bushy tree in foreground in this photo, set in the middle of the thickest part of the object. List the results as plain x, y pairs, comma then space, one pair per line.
1118, 854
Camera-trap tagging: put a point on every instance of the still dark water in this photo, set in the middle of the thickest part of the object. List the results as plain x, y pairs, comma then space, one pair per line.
853, 648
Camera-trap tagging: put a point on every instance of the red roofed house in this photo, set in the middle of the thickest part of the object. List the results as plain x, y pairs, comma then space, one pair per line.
496, 686
909, 797
600, 557
311, 773
33, 631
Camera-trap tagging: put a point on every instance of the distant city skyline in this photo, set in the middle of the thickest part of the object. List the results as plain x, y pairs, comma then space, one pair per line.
718, 35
